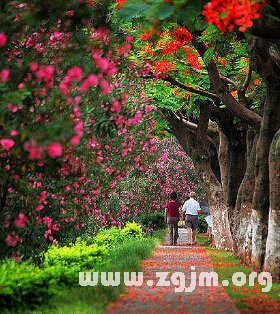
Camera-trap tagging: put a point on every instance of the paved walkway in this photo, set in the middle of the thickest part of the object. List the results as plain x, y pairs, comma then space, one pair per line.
151, 298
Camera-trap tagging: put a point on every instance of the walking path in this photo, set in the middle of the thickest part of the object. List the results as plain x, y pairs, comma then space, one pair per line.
150, 298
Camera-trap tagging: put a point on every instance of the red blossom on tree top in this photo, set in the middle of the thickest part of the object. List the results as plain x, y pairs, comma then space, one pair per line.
120, 3
182, 35
162, 67
226, 14
172, 47
91, 3
193, 59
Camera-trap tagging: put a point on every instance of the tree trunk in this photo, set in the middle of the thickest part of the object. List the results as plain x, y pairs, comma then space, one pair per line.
242, 234
267, 65
224, 161
232, 152
270, 124
237, 151
272, 254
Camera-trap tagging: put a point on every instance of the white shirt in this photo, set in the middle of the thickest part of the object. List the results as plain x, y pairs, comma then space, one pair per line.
191, 207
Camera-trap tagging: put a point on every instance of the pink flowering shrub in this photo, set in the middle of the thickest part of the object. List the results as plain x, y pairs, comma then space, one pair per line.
77, 148
69, 129
148, 191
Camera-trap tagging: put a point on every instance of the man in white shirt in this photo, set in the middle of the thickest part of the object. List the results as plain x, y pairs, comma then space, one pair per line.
192, 209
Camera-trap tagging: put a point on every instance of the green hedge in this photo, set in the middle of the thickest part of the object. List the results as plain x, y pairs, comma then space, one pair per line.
202, 224
125, 256
79, 254
23, 285
151, 221
113, 236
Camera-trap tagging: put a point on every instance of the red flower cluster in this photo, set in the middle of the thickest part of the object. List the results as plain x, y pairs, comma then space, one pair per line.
192, 59
182, 35
120, 3
149, 33
172, 47
226, 14
162, 67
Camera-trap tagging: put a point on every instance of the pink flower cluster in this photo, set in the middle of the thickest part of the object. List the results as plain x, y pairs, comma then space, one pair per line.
4, 75
7, 143
13, 108
3, 40
106, 66
78, 129
55, 150
12, 239
21, 221
45, 73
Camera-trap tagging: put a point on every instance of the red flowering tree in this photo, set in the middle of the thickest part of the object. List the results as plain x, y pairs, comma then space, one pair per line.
226, 107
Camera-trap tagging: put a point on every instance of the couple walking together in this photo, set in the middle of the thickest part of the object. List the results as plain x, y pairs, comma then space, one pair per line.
190, 210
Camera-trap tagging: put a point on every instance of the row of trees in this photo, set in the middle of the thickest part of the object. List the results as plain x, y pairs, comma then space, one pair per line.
225, 78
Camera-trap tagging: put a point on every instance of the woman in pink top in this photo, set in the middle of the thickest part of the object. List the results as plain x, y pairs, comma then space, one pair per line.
172, 215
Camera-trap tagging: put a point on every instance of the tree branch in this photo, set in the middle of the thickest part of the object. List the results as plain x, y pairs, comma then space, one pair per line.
211, 128
224, 78
247, 79
191, 89
235, 107
203, 121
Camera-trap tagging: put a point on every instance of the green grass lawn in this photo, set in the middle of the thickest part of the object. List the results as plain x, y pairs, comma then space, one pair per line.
89, 300
248, 299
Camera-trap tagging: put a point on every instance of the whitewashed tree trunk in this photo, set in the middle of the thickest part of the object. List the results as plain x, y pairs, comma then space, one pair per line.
259, 228
272, 254
221, 228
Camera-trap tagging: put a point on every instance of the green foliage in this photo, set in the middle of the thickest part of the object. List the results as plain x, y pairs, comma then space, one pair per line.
114, 236
208, 55
109, 237
129, 255
202, 225
132, 230
24, 284
163, 96
126, 256
152, 221
79, 254
157, 8
183, 11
